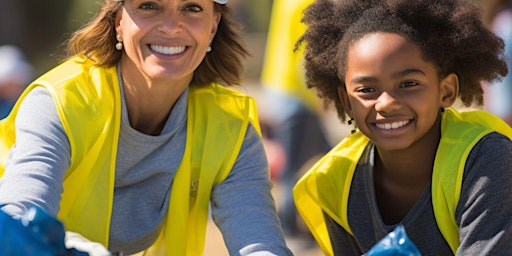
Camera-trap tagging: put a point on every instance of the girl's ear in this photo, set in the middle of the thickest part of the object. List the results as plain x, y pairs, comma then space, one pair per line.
345, 102
449, 90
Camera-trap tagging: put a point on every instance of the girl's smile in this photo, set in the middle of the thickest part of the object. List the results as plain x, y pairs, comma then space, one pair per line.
392, 92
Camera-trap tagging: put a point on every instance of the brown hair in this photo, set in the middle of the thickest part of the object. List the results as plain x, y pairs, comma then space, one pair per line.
224, 64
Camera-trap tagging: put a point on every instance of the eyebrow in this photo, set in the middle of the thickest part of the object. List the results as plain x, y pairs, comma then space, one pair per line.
410, 71
370, 79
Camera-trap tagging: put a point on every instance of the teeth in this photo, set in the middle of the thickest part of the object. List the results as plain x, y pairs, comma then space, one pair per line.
167, 50
395, 125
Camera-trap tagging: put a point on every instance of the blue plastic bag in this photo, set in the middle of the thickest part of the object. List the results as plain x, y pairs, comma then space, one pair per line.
396, 243
35, 234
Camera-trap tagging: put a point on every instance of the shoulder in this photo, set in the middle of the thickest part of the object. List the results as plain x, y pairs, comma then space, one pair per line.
492, 152
216, 90
216, 99
77, 67
489, 165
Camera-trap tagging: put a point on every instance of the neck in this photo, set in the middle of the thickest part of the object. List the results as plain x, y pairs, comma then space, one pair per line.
401, 176
149, 102
413, 165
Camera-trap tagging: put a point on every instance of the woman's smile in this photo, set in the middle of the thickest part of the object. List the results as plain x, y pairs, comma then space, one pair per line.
167, 50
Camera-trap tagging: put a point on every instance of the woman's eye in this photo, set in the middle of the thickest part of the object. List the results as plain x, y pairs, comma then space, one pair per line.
194, 8
148, 6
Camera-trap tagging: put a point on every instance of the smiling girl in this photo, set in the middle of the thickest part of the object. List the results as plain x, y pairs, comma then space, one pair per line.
395, 68
134, 138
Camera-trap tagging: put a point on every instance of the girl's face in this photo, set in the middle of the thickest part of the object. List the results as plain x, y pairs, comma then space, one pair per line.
392, 93
166, 39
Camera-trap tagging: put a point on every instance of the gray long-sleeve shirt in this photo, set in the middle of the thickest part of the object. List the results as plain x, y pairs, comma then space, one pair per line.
484, 212
242, 205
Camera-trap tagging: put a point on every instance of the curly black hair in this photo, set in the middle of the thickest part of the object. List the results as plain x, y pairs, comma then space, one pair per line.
450, 34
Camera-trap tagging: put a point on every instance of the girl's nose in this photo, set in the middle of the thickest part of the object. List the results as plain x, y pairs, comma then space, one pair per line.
386, 102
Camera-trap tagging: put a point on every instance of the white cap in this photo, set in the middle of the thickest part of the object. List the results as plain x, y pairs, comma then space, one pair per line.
221, 1
13, 66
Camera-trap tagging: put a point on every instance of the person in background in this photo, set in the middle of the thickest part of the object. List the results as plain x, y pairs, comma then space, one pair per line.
498, 94
15, 74
395, 68
288, 107
131, 139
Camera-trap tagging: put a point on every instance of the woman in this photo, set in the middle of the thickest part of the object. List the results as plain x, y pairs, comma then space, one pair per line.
129, 139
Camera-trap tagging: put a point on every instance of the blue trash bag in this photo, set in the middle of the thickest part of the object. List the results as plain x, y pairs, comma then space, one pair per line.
396, 243
36, 233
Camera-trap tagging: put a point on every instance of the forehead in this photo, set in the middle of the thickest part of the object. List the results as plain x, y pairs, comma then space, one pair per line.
383, 54
382, 43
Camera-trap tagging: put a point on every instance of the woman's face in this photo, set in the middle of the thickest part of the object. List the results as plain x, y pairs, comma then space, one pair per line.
166, 39
393, 94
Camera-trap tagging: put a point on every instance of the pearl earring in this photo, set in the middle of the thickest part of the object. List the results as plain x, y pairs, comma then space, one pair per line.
209, 49
119, 44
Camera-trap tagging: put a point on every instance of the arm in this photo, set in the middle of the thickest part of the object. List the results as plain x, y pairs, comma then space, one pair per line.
37, 162
243, 207
484, 212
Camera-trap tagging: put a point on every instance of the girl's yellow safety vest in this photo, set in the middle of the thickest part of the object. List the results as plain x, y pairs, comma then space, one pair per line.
326, 186
88, 101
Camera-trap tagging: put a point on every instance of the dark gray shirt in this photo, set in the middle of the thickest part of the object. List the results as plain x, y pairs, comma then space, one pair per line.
484, 212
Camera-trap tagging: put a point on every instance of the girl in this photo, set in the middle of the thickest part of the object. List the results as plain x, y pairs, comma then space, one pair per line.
396, 67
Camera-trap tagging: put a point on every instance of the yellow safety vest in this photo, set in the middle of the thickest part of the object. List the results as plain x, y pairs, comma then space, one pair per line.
326, 186
88, 101
283, 68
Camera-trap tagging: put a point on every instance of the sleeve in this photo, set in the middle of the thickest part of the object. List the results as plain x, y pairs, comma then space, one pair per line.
484, 212
38, 160
243, 207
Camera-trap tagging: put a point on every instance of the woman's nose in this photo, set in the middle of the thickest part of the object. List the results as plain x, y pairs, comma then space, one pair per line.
170, 23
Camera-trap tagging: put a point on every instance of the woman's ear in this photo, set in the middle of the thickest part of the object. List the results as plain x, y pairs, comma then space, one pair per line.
449, 90
119, 16
215, 26
345, 102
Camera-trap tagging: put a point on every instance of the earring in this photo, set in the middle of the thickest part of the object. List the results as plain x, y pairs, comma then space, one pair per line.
354, 127
209, 49
119, 44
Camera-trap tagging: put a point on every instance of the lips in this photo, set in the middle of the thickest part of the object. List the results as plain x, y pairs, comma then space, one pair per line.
393, 125
167, 50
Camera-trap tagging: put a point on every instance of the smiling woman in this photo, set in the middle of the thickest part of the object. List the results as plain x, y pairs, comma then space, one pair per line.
120, 141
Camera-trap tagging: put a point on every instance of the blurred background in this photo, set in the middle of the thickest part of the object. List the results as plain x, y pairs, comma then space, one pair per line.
40, 29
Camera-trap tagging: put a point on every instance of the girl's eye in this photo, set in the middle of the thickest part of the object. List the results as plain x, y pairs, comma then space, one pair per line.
408, 84
365, 90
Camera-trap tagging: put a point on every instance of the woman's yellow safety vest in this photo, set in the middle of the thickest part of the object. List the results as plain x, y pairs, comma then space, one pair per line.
88, 101
326, 186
